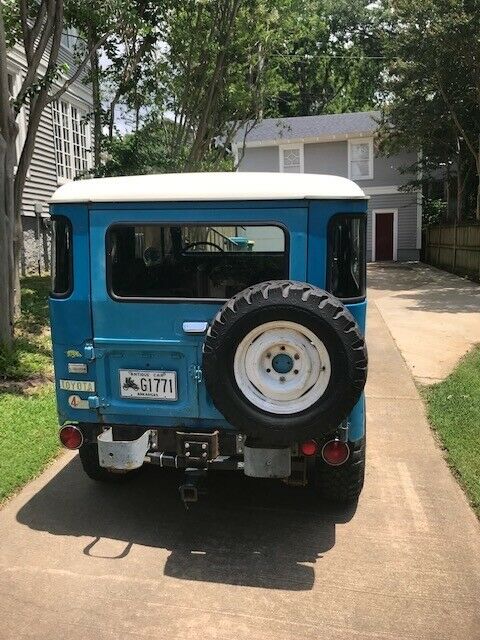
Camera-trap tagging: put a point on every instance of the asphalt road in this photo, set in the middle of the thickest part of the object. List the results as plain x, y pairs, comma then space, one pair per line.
252, 560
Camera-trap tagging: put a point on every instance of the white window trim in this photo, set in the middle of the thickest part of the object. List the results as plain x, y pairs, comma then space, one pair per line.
395, 231
284, 147
76, 104
351, 142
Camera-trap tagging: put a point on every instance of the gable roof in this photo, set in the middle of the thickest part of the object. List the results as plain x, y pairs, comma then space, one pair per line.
342, 125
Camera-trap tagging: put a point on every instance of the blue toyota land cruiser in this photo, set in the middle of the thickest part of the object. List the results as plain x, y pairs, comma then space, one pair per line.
204, 321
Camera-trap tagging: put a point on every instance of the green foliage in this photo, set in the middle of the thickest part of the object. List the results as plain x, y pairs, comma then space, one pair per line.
30, 356
453, 408
327, 60
28, 420
28, 437
431, 90
207, 68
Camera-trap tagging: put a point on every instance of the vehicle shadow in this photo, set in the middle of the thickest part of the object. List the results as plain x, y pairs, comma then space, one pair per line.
242, 532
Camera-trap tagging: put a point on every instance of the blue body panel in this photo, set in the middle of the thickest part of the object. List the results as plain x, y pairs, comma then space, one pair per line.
91, 327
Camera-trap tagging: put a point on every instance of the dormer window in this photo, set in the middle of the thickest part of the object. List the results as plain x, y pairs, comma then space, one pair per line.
360, 159
291, 158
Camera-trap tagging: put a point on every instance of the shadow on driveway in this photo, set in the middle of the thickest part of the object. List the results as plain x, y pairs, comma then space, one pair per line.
242, 532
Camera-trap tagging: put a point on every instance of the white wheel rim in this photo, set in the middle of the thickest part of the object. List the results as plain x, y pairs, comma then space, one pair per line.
282, 367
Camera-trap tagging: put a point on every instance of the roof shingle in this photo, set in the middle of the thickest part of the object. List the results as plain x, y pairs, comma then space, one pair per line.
342, 124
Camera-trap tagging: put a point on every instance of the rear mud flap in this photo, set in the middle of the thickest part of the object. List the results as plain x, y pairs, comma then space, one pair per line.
122, 454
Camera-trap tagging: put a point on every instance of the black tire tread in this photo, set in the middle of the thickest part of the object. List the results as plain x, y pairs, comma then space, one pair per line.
89, 458
342, 484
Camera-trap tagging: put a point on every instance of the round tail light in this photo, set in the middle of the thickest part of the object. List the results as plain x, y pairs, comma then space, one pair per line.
71, 437
308, 448
335, 452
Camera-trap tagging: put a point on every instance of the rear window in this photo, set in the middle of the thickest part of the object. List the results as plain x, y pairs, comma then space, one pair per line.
193, 261
347, 262
62, 272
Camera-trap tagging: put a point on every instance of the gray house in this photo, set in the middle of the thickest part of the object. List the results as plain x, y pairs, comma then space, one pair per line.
62, 150
343, 145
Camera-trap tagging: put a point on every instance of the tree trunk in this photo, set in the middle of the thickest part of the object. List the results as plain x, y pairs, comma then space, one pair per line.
6, 242
37, 106
97, 105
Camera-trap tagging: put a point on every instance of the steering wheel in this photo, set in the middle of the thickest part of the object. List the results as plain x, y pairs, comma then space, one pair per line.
201, 243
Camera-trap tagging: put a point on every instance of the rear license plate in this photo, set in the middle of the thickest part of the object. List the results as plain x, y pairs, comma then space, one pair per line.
148, 385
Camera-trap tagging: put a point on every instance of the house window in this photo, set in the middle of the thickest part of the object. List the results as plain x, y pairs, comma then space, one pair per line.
291, 158
72, 140
360, 159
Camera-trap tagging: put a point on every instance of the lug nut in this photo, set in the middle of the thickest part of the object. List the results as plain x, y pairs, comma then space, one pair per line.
187, 446
295, 371
282, 378
268, 370
296, 356
187, 454
204, 445
269, 355
282, 348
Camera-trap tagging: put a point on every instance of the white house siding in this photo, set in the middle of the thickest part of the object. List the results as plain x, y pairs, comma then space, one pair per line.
42, 177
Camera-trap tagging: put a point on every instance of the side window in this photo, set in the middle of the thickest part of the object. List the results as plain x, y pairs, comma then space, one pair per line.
62, 257
346, 256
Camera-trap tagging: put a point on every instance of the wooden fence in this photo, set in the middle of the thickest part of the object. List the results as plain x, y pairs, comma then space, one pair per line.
455, 248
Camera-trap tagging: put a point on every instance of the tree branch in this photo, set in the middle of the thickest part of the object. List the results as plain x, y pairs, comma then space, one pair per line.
79, 69
25, 29
30, 77
472, 148
5, 108
37, 25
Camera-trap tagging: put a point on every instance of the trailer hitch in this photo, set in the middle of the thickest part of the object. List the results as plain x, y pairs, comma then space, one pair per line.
189, 490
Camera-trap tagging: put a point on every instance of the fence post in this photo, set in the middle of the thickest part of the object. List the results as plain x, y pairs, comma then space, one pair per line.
454, 250
439, 238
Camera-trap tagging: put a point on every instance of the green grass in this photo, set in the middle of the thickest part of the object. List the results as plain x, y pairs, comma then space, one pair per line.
28, 421
28, 437
31, 353
453, 408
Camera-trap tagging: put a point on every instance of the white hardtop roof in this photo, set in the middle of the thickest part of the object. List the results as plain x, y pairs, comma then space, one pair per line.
191, 187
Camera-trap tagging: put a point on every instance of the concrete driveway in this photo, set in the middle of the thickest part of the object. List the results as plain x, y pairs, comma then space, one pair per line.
433, 316
252, 560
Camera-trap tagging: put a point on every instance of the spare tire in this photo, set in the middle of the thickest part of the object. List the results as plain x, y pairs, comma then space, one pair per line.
284, 361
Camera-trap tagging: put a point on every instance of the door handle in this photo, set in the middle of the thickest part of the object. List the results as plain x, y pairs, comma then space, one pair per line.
195, 327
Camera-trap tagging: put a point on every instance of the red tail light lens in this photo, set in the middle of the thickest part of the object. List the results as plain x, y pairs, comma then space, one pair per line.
308, 448
335, 452
71, 437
